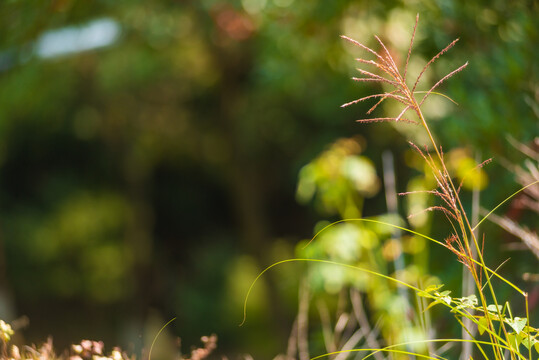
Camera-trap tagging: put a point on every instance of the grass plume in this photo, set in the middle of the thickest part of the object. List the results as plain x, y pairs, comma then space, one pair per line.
506, 333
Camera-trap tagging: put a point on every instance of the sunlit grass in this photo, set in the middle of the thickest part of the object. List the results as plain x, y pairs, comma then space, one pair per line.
506, 332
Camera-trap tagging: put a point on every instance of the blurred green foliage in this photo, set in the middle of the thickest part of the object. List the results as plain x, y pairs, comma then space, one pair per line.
159, 171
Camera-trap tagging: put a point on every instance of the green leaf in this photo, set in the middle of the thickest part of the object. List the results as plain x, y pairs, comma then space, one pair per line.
536, 346
469, 301
514, 340
528, 342
434, 287
483, 325
432, 304
466, 302
517, 324
431, 288
444, 296
492, 308
447, 300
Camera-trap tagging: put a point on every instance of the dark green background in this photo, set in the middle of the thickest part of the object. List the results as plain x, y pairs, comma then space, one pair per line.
155, 177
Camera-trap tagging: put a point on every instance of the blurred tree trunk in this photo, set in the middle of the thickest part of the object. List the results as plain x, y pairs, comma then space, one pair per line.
135, 174
7, 306
140, 234
247, 184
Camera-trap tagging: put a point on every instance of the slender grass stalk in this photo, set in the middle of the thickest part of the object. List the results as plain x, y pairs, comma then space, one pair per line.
463, 222
377, 351
528, 324
496, 337
464, 237
496, 340
448, 192
157, 335
503, 202
323, 262
472, 339
390, 348
492, 272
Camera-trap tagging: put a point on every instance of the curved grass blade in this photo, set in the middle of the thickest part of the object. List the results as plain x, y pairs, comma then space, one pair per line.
323, 262
417, 290
156, 336
439, 94
503, 202
379, 350
389, 348
522, 292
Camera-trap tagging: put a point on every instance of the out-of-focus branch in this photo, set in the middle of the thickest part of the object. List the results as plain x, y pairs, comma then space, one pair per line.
359, 312
529, 238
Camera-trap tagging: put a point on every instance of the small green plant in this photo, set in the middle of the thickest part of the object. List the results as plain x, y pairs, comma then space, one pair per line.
502, 334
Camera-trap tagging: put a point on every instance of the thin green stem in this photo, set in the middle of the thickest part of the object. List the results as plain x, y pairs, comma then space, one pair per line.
503, 202
318, 261
156, 336
390, 348
492, 334
463, 219
493, 272
472, 338
374, 351
437, 93
528, 324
